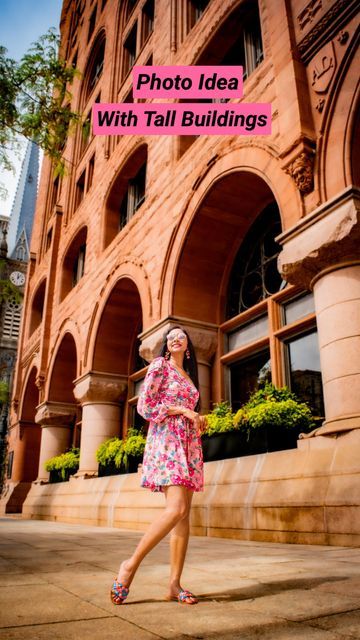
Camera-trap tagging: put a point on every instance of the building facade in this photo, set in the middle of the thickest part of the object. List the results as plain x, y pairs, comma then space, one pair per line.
14, 257
251, 243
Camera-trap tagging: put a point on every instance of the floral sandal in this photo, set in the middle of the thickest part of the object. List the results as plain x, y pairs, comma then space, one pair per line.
118, 592
184, 597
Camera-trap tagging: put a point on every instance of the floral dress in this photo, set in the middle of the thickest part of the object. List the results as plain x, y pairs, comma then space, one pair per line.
173, 452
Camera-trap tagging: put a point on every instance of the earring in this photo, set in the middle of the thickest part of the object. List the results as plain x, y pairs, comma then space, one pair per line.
167, 355
187, 353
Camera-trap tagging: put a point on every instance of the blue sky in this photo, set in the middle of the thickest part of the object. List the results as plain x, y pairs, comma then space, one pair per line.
21, 23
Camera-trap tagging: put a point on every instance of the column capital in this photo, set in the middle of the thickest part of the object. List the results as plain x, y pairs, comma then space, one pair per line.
323, 241
55, 414
94, 386
204, 337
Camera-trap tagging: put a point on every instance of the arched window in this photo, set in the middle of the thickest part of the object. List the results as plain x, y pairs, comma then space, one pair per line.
12, 317
254, 275
20, 253
95, 67
37, 307
127, 194
270, 331
74, 263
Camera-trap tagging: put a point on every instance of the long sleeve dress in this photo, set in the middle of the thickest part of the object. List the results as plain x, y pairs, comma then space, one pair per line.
173, 451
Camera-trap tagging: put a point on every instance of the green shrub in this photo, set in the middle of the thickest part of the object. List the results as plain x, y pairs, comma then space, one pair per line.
111, 451
134, 445
116, 451
63, 462
220, 419
274, 408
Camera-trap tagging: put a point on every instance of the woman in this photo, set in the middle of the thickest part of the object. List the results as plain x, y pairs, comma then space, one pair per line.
173, 461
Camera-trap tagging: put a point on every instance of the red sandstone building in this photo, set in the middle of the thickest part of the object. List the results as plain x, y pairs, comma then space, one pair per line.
251, 243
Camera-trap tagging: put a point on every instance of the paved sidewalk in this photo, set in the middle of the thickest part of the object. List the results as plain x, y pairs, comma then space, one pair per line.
55, 579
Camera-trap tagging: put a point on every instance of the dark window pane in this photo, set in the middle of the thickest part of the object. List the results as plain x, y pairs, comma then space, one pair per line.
305, 371
247, 375
272, 278
254, 275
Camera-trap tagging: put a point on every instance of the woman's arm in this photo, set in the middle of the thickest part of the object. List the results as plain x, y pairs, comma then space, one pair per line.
149, 404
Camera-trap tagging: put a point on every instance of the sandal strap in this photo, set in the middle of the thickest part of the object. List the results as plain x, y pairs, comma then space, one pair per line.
119, 591
184, 594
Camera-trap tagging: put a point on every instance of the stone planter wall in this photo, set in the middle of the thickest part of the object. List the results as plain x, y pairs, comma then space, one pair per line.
307, 495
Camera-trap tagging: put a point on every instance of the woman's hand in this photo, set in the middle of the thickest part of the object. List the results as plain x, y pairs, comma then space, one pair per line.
199, 421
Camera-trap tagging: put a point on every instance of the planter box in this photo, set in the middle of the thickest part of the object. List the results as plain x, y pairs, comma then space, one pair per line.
112, 470
234, 444
55, 475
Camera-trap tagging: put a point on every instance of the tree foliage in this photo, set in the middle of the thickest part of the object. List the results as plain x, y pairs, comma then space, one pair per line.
35, 101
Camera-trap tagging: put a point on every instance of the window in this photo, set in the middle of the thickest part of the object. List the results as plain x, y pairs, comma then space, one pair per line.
247, 375
96, 69
79, 265
74, 263
130, 7
134, 197
54, 195
91, 168
237, 42
20, 253
130, 50
85, 133
255, 276
305, 371
92, 23
12, 317
127, 193
80, 190
270, 334
48, 240
37, 307
147, 20
195, 9
10, 461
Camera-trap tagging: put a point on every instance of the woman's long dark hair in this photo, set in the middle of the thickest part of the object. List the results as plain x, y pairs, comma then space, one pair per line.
189, 364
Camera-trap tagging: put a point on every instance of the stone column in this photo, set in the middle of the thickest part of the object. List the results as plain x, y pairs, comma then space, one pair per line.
56, 420
26, 438
204, 339
323, 253
100, 395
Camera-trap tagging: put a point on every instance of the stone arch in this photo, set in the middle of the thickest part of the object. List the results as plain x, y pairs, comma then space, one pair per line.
27, 446
133, 270
119, 323
63, 371
208, 238
339, 124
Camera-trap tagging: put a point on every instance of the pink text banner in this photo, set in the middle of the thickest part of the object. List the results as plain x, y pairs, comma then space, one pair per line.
182, 119
188, 82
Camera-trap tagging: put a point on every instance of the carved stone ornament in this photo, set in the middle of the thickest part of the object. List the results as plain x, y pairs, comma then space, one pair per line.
55, 414
307, 15
322, 68
320, 105
343, 37
301, 170
96, 387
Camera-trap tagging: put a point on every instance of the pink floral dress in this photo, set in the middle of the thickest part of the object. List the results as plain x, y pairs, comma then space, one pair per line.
173, 452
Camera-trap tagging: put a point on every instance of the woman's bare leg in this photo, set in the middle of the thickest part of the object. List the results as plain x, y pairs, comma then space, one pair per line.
176, 508
178, 547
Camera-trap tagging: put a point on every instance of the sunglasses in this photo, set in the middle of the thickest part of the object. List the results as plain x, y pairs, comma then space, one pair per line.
179, 336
